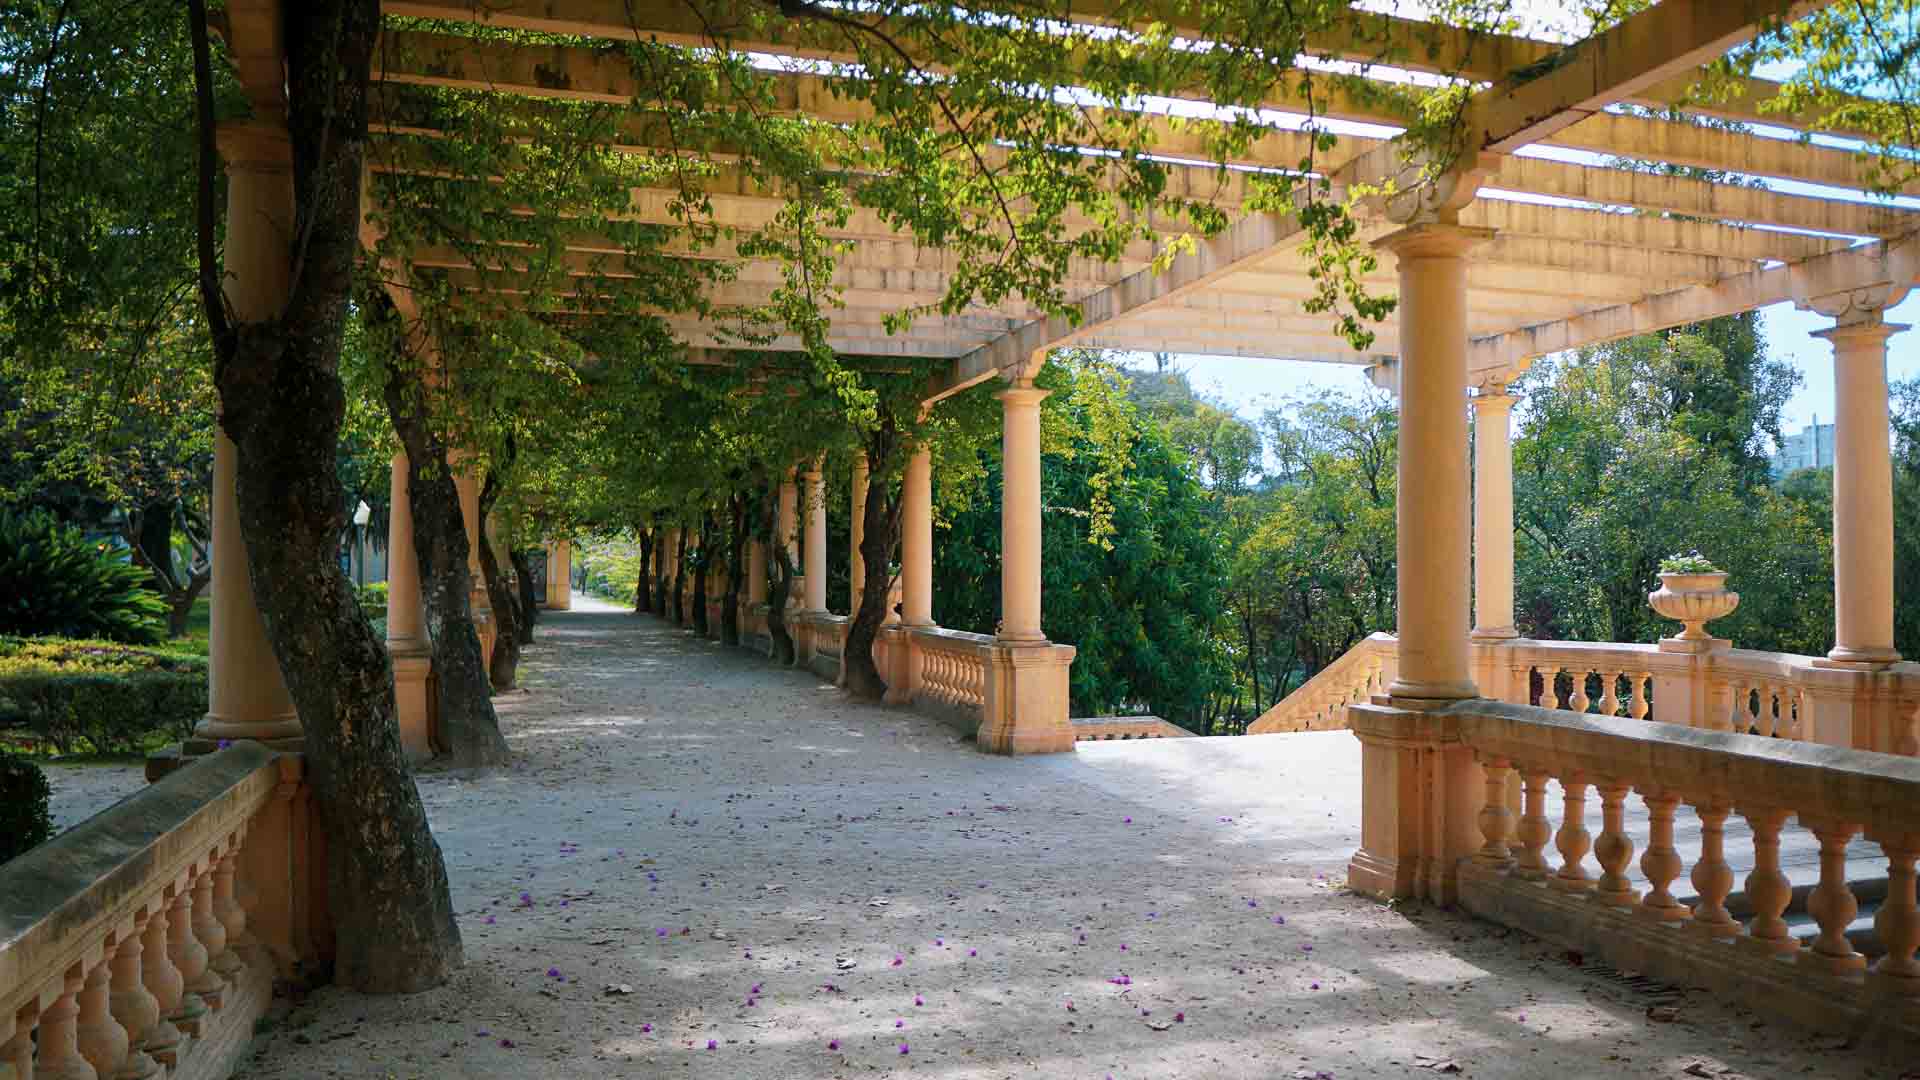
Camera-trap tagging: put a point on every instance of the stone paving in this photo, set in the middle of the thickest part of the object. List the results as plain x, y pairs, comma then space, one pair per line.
705, 866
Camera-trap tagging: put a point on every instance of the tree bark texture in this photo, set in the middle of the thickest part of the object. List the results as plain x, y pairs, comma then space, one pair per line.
879, 544
468, 726
643, 585
504, 666
282, 403
779, 586
529, 610
736, 548
680, 582
700, 574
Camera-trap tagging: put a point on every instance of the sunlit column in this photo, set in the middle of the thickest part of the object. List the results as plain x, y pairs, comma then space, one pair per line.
1434, 530
1862, 491
857, 565
916, 540
407, 642
1020, 514
1493, 514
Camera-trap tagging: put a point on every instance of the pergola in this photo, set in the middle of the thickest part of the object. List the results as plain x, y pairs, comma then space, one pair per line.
1553, 230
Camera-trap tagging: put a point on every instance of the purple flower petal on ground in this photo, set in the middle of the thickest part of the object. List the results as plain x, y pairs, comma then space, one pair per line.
489, 920
755, 990
1123, 946
897, 961
1127, 821
553, 973
903, 1048
662, 932
482, 1033
1253, 903
833, 1044
1315, 986
939, 943
917, 1000
1306, 948
506, 1044
646, 1029
899, 1023
973, 952
713, 1044
1280, 920
1179, 1018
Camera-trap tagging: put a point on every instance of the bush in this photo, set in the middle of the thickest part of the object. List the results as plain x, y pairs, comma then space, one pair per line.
24, 820
54, 582
372, 599
99, 695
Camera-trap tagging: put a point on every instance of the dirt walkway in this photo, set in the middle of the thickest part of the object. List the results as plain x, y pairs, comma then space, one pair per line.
707, 867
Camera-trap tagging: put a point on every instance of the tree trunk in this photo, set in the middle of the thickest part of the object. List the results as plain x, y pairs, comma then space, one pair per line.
778, 586
180, 604
504, 666
643, 585
469, 729
879, 537
282, 404
680, 582
700, 574
528, 612
736, 546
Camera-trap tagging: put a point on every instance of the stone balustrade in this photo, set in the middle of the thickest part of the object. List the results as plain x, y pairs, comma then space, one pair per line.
145, 941
1779, 695
1104, 728
952, 671
1439, 823
1320, 703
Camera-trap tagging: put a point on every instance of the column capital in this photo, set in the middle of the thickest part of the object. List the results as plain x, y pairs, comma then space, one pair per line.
1022, 394
1433, 240
1493, 398
254, 146
1865, 326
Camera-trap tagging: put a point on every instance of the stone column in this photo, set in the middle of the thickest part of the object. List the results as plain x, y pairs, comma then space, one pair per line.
790, 519
1862, 491
560, 583
815, 548
407, 642
1020, 515
1435, 659
756, 572
246, 696
1026, 707
856, 565
1493, 514
916, 541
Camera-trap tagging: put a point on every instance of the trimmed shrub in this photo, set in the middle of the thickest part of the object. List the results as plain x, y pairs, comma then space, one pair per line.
53, 581
99, 695
372, 599
24, 820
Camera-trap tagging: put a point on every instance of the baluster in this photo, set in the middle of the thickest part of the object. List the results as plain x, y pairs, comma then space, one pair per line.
1906, 741
163, 1039
1763, 723
226, 908
1768, 889
16, 1051
1577, 698
1550, 686
1534, 830
1832, 904
1521, 684
1609, 694
1737, 714
1712, 877
212, 936
1898, 922
134, 1006
100, 1038
189, 959
1661, 862
1495, 818
59, 1056
1614, 851
1573, 840
1638, 706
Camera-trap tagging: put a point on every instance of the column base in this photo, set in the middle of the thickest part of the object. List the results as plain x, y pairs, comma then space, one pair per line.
1420, 801
903, 664
1027, 704
212, 729
1495, 633
1404, 690
1869, 659
411, 667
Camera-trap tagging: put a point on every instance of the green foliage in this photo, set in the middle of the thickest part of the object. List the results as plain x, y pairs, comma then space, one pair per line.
100, 696
24, 820
1138, 599
53, 581
372, 598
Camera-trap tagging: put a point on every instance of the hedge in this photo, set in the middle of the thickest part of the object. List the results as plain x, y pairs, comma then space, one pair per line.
99, 696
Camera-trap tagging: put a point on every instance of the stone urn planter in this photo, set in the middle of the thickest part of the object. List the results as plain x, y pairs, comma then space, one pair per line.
1693, 599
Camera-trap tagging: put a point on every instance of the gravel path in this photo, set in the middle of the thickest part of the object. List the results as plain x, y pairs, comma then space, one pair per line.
703, 866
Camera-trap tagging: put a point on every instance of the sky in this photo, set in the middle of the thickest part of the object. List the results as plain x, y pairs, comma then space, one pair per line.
1251, 386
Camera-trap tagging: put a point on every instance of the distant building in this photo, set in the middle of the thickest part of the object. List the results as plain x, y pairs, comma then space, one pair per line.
1812, 448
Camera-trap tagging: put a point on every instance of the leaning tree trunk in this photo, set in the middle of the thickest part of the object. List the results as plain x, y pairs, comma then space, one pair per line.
736, 546
528, 612
880, 524
779, 585
282, 404
642, 590
701, 571
469, 729
504, 666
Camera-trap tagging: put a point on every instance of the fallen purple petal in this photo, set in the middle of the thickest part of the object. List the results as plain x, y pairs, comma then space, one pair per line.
713, 1044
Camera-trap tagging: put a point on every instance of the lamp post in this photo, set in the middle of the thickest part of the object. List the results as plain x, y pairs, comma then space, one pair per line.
361, 515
